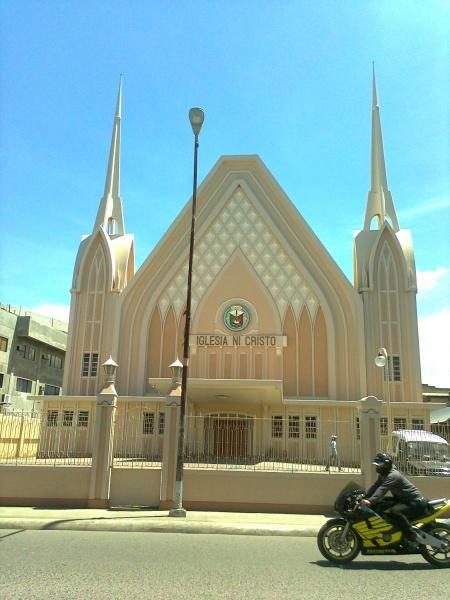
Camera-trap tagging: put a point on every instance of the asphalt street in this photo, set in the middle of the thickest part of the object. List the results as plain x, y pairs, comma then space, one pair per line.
95, 565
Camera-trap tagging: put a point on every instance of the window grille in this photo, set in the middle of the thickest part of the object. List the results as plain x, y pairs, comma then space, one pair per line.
418, 424
83, 418
67, 418
52, 418
294, 426
393, 369
311, 428
399, 423
277, 426
90, 364
148, 423
161, 423
383, 425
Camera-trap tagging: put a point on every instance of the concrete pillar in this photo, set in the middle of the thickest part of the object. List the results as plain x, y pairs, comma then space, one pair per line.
170, 448
369, 425
102, 446
20, 438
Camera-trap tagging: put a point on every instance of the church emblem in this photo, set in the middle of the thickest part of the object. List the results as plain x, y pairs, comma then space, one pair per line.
236, 317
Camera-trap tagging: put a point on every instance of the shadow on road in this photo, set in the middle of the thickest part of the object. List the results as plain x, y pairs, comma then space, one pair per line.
2, 537
388, 565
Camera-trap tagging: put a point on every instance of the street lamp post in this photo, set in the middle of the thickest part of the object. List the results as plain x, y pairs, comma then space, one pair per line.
196, 117
382, 361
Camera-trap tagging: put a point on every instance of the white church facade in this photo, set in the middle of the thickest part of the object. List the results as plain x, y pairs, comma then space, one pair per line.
277, 330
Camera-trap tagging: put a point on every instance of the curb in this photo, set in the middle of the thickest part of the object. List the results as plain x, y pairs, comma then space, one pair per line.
152, 527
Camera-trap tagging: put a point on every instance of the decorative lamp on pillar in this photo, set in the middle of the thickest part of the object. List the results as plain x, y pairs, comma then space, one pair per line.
176, 368
109, 369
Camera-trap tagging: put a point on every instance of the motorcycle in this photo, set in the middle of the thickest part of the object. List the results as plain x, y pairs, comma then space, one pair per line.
361, 529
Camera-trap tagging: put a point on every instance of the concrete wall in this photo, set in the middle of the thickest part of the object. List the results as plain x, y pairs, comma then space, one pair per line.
32, 485
262, 491
312, 493
138, 487
432, 487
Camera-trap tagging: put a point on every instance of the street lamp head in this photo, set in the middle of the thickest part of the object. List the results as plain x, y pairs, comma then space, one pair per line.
196, 117
381, 358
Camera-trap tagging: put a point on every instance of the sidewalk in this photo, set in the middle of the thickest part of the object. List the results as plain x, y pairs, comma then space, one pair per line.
148, 520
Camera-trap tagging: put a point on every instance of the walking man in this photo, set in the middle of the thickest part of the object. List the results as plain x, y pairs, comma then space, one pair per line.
333, 456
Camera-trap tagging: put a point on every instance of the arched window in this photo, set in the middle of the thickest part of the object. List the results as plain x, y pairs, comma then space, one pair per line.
112, 226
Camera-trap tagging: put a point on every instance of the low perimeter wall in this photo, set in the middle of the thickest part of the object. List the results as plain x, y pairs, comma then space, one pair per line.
244, 491
136, 487
35, 485
309, 493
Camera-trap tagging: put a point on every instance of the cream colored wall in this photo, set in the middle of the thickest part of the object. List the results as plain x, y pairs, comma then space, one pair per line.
203, 489
272, 492
138, 487
31, 485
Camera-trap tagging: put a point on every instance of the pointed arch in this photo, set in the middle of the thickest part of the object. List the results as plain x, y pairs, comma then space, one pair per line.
180, 337
320, 355
290, 354
154, 345
305, 363
86, 256
168, 342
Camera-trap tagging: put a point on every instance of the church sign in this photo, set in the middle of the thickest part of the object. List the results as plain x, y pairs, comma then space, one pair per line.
246, 341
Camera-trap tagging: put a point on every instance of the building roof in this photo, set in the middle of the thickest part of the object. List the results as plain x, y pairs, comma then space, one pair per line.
442, 415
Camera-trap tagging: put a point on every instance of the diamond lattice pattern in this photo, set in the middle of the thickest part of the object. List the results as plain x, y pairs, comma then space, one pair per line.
240, 226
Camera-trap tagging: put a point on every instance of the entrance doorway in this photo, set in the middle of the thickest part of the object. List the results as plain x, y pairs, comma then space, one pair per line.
229, 436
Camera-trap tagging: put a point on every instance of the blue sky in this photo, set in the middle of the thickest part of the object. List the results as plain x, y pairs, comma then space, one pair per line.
288, 80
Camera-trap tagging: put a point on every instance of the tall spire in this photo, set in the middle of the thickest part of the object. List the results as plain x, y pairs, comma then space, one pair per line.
110, 215
379, 202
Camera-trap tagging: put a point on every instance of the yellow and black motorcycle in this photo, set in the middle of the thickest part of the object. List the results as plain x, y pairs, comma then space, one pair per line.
359, 529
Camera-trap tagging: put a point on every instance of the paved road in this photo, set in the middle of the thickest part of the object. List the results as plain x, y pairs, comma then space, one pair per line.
64, 565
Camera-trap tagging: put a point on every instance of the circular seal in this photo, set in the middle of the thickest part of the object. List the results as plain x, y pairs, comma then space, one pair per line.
236, 317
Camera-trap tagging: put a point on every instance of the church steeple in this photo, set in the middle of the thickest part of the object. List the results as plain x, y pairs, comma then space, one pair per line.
379, 202
110, 214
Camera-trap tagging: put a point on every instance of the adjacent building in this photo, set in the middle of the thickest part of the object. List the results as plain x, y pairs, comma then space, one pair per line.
32, 355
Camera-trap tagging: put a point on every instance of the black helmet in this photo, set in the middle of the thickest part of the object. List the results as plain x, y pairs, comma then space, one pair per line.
383, 462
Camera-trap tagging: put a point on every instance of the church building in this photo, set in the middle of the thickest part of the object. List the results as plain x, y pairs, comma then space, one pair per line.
277, 329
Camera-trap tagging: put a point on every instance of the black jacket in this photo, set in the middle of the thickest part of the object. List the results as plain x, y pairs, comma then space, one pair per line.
396, 483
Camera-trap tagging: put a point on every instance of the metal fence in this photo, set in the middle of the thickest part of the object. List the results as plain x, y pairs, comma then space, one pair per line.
418, 452
276, 443
54, 437
138, 436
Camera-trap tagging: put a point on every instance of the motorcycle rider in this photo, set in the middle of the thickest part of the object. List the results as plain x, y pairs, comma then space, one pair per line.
408, 500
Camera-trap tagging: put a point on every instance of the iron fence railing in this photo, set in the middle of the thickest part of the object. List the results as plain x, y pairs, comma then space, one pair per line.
275, 443
55, 437
138, 436
418, 452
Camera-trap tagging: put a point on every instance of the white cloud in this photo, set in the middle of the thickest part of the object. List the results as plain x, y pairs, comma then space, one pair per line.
435, 348
428, 206
429, 280
56, 311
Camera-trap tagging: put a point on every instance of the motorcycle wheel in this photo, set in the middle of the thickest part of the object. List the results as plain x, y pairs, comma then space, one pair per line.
435, 556
333, 547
